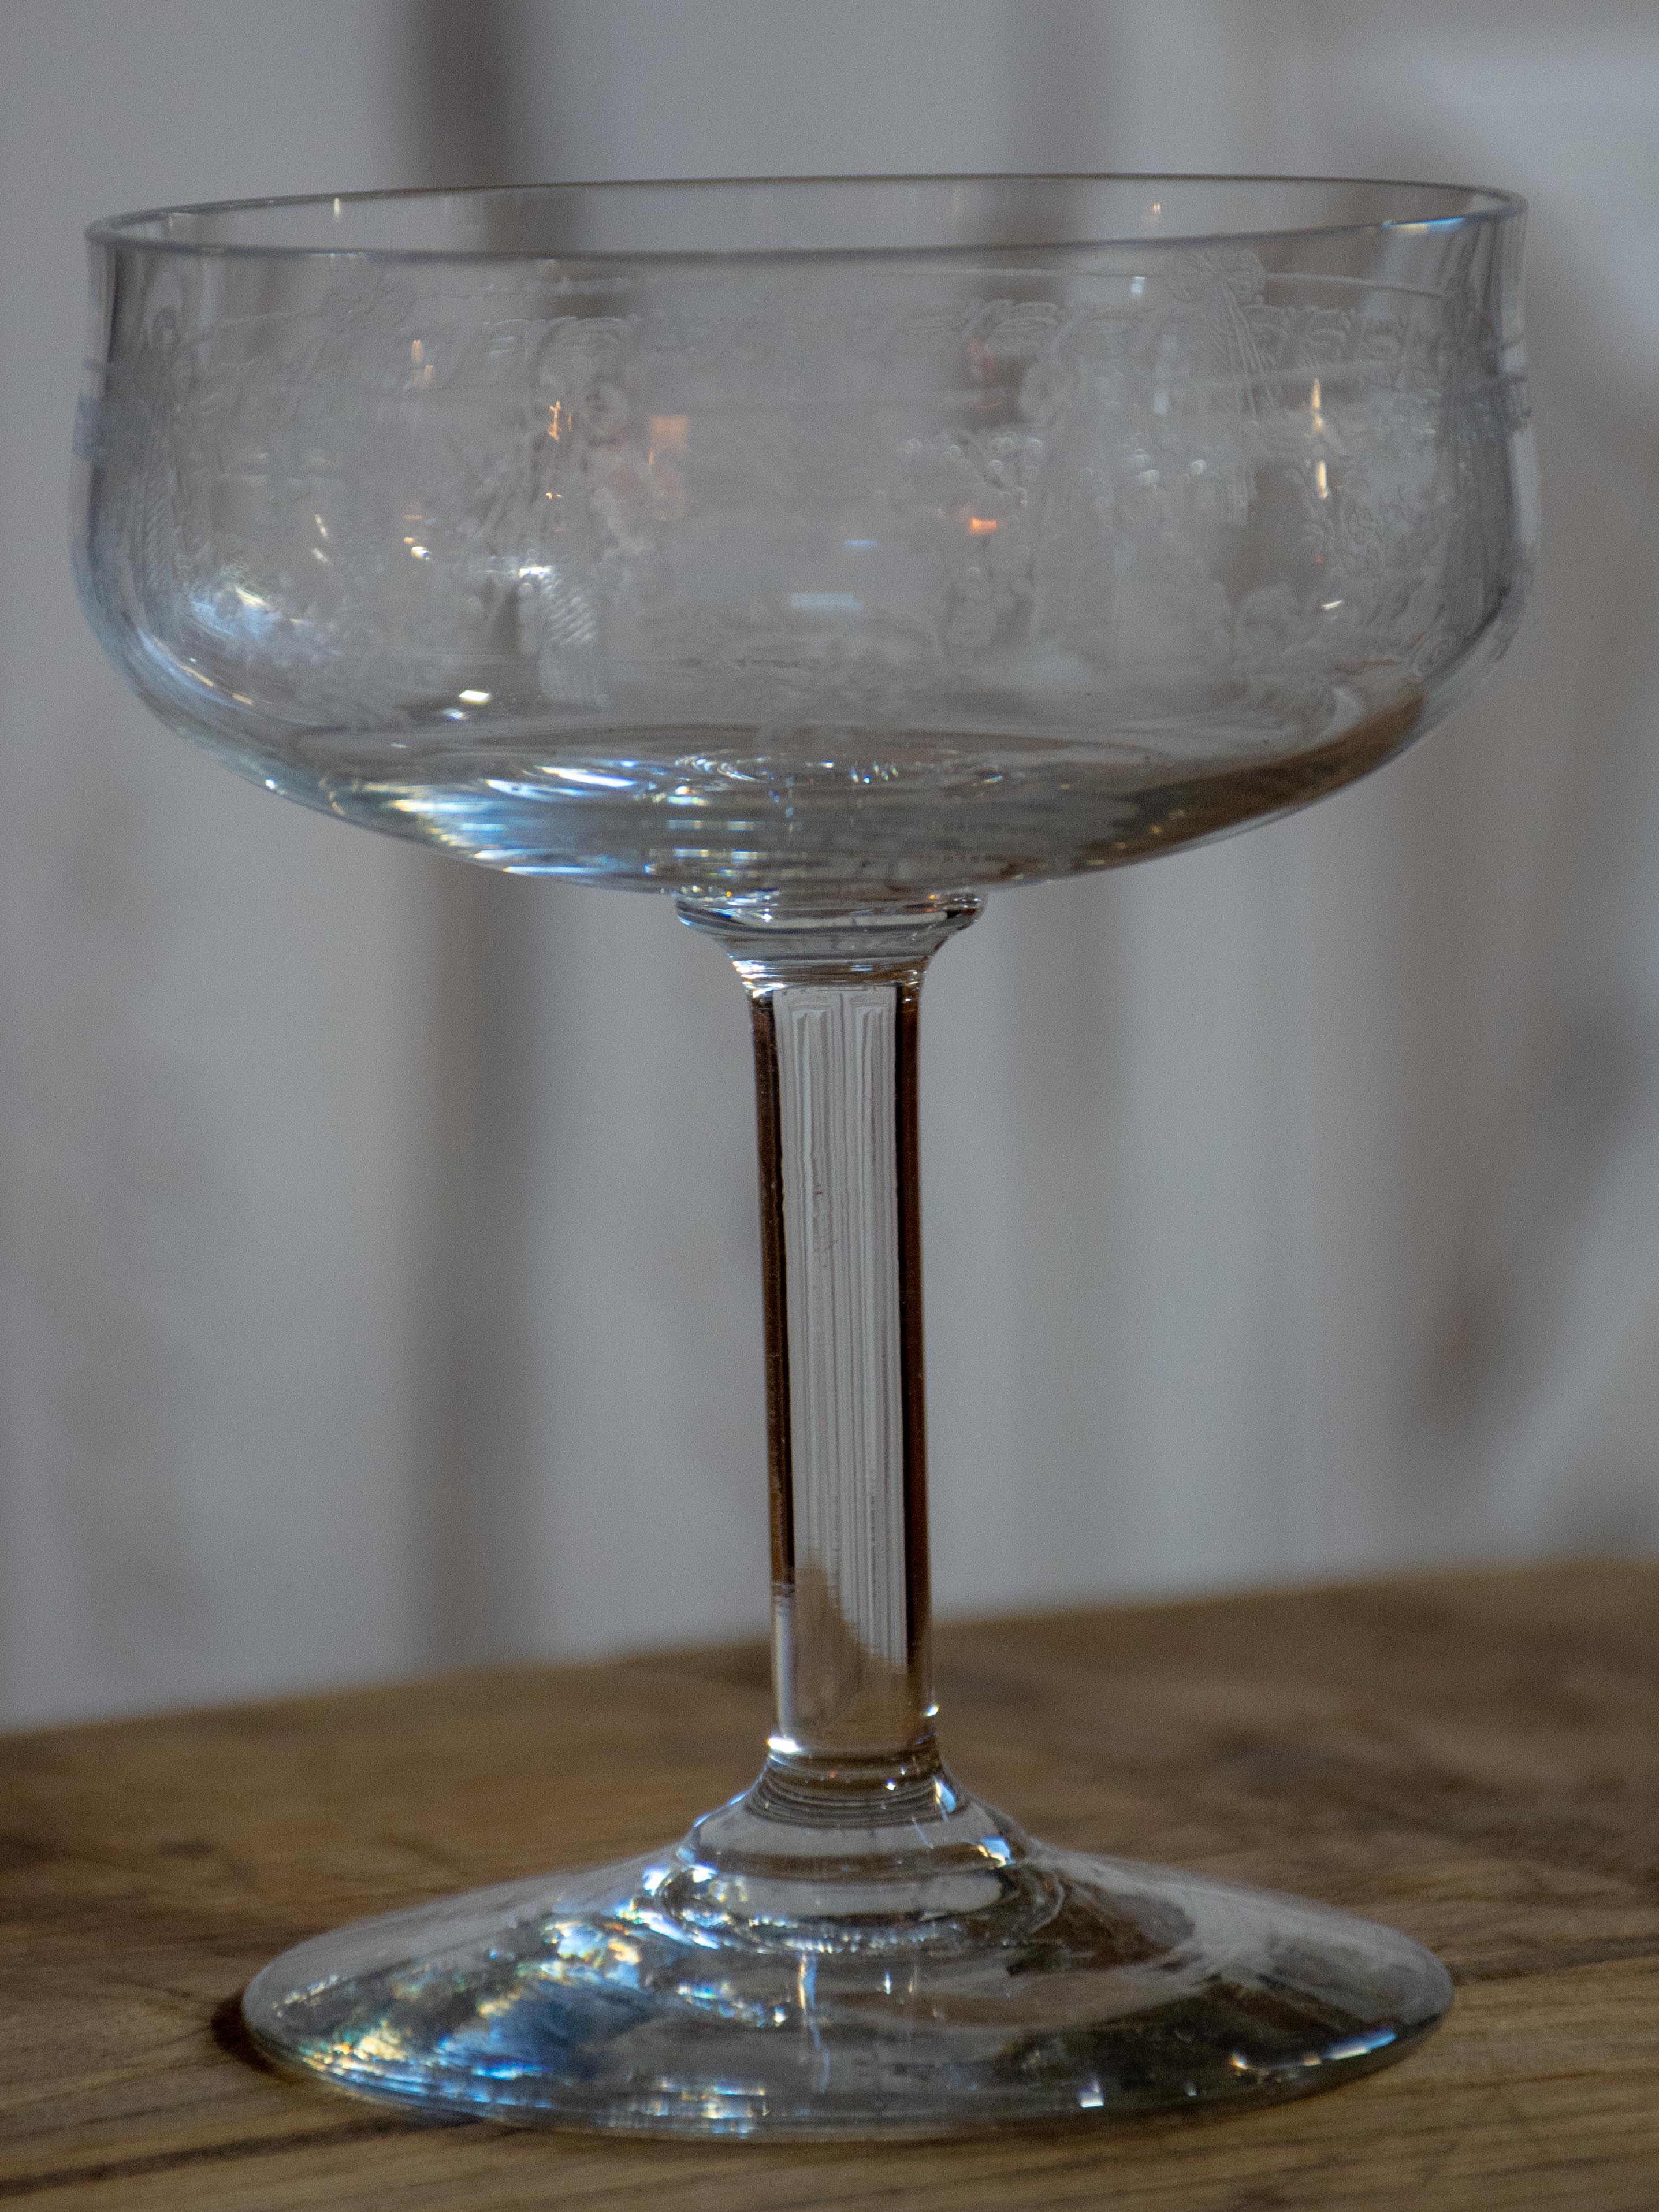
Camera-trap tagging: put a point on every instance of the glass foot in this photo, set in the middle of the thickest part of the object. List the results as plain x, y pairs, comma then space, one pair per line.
927, 1970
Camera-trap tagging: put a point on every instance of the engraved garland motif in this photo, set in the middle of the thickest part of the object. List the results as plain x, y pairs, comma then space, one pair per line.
1079, 467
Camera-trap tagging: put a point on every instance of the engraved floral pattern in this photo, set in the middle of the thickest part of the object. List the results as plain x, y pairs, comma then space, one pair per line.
394, 504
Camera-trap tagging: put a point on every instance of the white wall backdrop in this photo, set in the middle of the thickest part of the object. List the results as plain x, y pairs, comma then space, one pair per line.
378, 1266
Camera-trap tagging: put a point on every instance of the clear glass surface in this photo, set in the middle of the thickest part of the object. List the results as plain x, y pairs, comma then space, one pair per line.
824, 553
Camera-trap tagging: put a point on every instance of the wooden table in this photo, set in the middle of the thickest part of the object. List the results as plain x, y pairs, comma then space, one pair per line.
1475, 1759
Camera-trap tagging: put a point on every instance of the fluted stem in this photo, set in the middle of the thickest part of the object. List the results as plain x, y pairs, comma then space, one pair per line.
835, 1000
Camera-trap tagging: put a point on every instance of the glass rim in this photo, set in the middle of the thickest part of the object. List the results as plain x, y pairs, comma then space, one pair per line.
138, 230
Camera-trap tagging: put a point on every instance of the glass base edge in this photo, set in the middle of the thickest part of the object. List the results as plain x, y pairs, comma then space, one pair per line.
1085, 1989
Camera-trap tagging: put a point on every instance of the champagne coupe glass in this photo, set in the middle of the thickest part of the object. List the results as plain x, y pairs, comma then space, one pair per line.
822, 554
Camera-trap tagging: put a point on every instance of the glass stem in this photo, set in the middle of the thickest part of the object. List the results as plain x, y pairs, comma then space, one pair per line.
834, 999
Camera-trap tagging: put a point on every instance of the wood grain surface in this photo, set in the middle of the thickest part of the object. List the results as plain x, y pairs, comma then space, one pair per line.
1475, 1759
